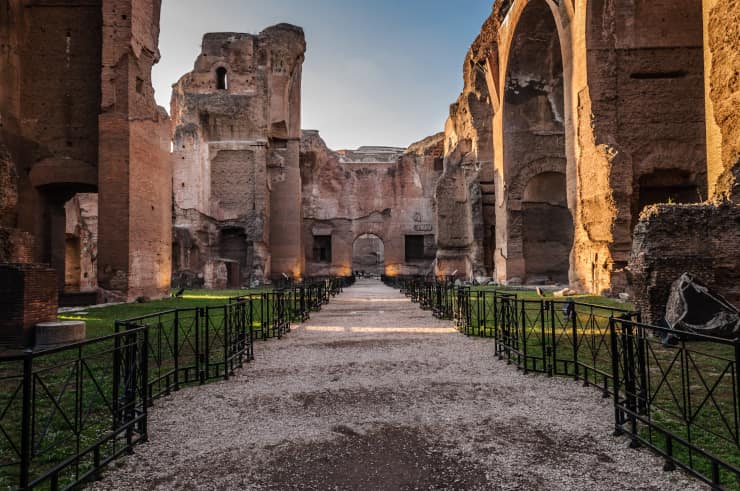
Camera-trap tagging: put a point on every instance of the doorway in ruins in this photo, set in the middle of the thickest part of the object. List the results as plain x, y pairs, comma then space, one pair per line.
368, 254
235, 252
547, 229
540, 225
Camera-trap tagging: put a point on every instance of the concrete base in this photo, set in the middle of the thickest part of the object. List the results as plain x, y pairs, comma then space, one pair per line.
59, 333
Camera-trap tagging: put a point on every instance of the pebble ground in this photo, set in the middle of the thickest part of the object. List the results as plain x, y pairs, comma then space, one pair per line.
374, 393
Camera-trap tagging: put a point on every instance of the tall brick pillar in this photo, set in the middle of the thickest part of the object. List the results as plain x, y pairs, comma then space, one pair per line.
135, 184
286, 218
288, 46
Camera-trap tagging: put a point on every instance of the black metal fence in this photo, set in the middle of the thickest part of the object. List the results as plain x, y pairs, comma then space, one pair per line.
66, 413
680, 399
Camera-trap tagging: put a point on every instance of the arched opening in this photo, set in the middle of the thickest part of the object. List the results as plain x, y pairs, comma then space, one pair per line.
222, 78
547, 229
368, 254
540, 226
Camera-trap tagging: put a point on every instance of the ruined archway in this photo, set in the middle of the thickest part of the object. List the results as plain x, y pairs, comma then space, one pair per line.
547, 229
534, 151
368, 254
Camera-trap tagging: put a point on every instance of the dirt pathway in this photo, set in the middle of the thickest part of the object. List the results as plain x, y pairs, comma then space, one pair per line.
374, 393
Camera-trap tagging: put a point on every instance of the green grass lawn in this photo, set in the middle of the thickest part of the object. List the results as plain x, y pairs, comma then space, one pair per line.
82, 378
530, 294
100, 320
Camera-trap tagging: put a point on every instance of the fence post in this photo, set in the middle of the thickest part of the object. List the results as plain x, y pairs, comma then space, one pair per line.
574, 327
523, 326
642, 404
116, 378
736, 341
26, 417
546, 362
176, 349
145, 402
550, 305
495, 322
615, 376
226, 342
629, 382
251, 328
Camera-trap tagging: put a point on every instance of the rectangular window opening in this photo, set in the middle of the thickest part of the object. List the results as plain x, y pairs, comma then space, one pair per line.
322, 248
414, 245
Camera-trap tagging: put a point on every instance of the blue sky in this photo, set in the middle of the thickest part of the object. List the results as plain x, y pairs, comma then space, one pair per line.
377, 72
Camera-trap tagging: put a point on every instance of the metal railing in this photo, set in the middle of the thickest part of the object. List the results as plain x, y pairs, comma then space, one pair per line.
66, 413
682, 400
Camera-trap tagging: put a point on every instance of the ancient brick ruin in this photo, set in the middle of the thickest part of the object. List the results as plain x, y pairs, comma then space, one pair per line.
236, 178
597, 110
371, 209
78, 116
575, 116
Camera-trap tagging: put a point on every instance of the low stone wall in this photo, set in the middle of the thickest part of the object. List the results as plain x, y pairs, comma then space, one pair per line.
670, 240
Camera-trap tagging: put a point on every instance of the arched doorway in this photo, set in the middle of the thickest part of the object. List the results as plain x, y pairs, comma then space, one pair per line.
547, 229
539, 225
368, 254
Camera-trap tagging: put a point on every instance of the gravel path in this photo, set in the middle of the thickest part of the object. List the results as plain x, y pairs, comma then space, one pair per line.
374, 393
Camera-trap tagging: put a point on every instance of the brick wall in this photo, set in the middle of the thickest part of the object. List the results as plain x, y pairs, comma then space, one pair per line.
28, 295
669, 240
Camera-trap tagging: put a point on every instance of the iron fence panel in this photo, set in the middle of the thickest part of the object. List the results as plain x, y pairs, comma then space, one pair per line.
681, 399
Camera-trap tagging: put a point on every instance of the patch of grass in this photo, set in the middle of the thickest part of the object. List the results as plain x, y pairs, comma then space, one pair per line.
73, 389
100, 321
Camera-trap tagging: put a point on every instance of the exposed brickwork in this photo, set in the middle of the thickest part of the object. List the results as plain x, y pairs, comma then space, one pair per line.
135, 183
28, 295
670, 240
236, 126
384, 192
77, 114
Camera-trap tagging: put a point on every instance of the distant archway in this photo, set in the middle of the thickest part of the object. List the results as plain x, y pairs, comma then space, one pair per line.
547, 229
368, 254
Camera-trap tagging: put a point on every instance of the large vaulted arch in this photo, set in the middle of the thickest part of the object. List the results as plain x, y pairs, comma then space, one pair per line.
539, 223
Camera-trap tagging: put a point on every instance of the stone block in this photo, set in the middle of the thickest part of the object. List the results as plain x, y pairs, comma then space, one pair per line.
59, 333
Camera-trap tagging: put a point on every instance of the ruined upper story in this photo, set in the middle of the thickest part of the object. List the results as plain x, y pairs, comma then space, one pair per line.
243, 87
370, 155
357, 183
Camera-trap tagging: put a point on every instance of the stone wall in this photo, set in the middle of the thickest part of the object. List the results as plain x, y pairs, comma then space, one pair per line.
670, 240
134, 185
465, 193
28, 295
236, 131
81, 268
606, 98
722, 89
384, 192
703, 240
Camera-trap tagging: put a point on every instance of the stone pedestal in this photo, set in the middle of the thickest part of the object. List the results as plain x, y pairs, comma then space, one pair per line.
28, 296
59, 333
